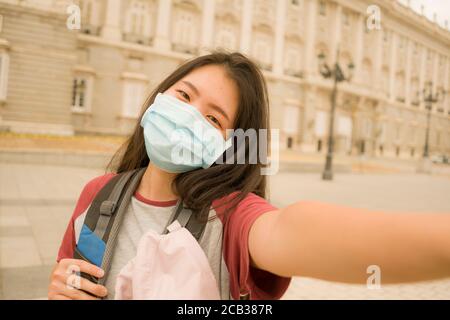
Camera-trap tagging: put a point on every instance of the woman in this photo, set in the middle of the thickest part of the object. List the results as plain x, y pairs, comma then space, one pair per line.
261, 246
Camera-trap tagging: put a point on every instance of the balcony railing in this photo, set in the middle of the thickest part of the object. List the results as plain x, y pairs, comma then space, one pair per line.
90, 29
137, 38
181, 47
294, 73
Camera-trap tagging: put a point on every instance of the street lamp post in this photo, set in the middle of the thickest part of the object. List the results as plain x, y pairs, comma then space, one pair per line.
429, 98
337, 75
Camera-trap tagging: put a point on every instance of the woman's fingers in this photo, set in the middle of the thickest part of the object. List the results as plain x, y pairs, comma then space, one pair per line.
83, 266
96, 289
71, 292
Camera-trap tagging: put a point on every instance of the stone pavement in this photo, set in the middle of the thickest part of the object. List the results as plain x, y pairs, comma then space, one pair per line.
36, 202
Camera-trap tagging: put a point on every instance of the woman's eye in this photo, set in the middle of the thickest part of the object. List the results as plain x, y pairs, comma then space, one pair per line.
213, 119
184, 95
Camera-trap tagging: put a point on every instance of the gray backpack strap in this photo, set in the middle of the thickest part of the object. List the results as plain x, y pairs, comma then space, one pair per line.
108, 206
130, 188
186, 219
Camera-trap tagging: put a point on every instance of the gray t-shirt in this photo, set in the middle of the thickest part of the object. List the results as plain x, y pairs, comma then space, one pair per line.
141, 217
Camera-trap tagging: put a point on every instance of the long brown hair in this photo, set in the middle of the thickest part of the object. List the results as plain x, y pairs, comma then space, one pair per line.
198, 188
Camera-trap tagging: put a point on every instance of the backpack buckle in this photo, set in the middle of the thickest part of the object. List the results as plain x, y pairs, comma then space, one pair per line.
107, 207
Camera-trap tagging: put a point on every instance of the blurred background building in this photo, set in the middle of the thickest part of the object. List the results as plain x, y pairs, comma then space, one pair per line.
95, 79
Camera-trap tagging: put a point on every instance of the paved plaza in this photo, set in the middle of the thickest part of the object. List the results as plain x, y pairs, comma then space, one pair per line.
36, 202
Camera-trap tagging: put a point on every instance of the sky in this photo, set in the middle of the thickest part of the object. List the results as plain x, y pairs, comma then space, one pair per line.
440, 7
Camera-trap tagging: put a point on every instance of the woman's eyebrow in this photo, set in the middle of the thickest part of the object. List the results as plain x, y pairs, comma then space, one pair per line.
215, 107
190, 85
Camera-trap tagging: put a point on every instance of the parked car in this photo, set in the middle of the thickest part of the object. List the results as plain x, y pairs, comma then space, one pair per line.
440, 158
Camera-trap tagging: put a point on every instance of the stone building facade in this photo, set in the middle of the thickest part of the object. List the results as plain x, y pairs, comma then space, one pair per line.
95, 79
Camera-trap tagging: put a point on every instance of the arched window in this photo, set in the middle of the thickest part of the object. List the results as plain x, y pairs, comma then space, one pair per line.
90, 20
138, 18
226, 38
184, 30
262, 50
292, 61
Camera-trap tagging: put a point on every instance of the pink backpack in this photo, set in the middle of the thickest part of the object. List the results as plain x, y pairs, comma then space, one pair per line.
169, 266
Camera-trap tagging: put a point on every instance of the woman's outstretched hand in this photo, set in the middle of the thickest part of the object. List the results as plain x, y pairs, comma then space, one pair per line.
66, 284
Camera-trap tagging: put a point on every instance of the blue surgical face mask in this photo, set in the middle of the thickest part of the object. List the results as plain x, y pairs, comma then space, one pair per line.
178, 138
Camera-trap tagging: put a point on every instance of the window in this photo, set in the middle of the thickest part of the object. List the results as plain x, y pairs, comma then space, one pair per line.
226, 39
292, 61
346, 18
4, 70
81, 89
291, 119
322, 8
184, 31
90, 16
344, 127
262, 51
138, 19
321, 123
133, 95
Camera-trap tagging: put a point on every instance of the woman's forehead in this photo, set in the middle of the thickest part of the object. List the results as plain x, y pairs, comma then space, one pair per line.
212, 77
214, 83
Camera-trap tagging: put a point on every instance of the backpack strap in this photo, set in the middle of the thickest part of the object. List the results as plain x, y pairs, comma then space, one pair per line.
108, 206
187, 220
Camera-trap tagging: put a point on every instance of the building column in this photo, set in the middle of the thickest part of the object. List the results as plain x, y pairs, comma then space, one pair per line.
308, 120
162, 36
359, 47
336, 37
246, 26
279, 37
408, 72
208, 17
422, 75
111, 29
447, 87
393, 66
310, 51
378, 58
434, 75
